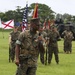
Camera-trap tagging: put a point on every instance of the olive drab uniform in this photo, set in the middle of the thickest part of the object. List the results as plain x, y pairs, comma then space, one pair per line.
28, 53
53, 46
14, 37
46, 46
43, 34
68, 37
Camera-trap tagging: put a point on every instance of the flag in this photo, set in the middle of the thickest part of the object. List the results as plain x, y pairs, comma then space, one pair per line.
49, 23
44, 24
35, 13
8, 25
52, 22
25, 18
17, 24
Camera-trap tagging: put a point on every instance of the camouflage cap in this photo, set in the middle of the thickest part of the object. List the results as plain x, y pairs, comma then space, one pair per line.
35, 20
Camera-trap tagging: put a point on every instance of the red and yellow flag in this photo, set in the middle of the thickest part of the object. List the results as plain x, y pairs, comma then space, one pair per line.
44, 24
35, 13
49, 23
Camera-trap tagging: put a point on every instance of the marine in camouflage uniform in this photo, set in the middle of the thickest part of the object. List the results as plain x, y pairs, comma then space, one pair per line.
43, 34
68, 37
12, 39
53, 35
47, 30
27, 50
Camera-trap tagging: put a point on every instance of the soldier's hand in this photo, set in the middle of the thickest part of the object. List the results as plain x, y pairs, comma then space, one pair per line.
17, 62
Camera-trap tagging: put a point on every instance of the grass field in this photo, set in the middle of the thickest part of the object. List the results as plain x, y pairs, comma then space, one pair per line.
66, 65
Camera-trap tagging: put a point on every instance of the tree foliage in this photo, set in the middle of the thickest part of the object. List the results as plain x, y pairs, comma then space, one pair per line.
44, 13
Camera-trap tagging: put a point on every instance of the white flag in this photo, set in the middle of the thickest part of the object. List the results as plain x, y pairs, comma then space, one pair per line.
8, 25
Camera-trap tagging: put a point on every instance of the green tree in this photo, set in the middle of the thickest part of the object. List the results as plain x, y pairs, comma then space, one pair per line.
67, 16
18, 14
2, 15
44, 12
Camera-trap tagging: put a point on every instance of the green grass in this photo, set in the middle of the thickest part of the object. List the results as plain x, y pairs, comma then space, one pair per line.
66, 65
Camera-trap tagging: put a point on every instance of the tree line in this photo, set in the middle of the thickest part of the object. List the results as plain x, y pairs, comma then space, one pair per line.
45, 12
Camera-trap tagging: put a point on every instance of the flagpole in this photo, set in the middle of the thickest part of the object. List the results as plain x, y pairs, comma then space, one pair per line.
3, 32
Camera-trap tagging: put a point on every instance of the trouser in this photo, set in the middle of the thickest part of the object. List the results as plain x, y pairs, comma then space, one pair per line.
25, 70
42, 57
52, 50
11, 54
67, 47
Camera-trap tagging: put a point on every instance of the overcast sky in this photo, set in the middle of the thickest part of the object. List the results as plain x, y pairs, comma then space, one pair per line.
59, 6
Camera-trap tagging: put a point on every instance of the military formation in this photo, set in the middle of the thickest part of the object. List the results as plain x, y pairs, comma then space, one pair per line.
27, 46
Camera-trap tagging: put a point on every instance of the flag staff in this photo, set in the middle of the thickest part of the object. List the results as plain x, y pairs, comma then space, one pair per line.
3, 32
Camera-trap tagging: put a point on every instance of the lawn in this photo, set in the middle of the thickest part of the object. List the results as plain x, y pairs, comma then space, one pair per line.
66, 65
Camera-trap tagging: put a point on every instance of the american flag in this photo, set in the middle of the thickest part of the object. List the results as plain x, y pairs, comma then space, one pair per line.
25, 18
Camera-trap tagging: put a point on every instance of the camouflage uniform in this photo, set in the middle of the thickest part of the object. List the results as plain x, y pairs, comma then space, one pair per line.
14, 37
44, 35
27, 50
47, 30
28, 53
53, 46
68, 36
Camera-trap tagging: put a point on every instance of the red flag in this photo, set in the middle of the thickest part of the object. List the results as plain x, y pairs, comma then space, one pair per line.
49, 23
44, 24
35, 13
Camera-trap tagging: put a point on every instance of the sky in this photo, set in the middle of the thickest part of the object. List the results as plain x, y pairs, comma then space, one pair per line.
58, 6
